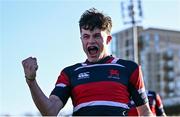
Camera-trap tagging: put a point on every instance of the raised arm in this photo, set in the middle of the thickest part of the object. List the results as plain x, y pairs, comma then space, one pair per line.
47, 106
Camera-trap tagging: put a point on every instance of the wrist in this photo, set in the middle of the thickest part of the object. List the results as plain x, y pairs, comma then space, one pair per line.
30, 81
30, 78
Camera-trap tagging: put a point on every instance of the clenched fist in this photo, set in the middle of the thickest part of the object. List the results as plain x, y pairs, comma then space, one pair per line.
30, 67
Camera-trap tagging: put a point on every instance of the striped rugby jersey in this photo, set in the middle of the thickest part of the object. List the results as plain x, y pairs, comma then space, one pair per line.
101, 88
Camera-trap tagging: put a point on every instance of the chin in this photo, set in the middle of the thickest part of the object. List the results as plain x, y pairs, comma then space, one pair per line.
91, 58
94, 58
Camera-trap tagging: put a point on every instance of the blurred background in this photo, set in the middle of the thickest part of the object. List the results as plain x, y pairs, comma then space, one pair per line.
146, 31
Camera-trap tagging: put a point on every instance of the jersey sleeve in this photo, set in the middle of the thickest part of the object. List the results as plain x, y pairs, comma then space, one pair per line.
62, 87
159, 106
137, 88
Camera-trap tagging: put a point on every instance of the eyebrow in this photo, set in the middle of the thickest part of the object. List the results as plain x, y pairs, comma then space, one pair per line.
96, 33
85, 34
92, 34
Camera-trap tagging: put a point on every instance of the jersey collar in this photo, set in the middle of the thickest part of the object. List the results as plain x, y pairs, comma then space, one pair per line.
104, 60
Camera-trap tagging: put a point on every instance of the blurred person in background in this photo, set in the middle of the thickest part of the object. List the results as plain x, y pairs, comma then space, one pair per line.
102, 85
155, 104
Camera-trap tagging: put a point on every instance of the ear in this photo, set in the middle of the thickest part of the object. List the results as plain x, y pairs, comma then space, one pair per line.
109, 38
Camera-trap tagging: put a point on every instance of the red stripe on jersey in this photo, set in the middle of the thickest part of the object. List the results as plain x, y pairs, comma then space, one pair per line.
133, 112
155, 103
63, 78
100, 91
110, 60
153, 110
158, 101
137, 79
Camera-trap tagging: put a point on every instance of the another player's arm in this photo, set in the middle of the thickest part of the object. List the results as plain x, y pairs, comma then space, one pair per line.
47, 106
159, 106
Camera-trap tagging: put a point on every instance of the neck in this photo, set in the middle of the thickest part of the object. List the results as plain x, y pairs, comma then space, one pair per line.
99, 58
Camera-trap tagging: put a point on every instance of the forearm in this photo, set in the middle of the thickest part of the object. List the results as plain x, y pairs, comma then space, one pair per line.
41, 100
144, 110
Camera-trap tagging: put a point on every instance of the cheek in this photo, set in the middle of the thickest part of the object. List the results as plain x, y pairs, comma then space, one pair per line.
84, 44
101, 47
100, 44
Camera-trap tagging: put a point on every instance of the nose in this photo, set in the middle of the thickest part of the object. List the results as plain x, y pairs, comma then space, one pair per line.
91, 40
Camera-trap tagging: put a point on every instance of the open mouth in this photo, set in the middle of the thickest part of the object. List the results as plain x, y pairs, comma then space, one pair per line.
92, 50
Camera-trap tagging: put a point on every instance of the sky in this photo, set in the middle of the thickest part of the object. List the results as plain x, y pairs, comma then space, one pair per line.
49, 31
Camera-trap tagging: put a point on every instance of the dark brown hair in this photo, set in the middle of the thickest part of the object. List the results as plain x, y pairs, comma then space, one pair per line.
92, 19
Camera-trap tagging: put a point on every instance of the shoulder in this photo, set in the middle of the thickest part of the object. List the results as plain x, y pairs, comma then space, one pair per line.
71, 68
128, 64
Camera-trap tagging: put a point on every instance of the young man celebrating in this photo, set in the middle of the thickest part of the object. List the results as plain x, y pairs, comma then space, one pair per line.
100, 86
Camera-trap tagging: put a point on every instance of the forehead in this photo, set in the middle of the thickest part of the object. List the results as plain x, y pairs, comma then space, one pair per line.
83, 31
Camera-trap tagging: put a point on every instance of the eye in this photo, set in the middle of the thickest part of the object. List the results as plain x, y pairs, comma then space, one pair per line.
85, 37
97, 36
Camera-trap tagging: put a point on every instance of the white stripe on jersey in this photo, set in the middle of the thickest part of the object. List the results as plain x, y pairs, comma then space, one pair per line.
61, 85
97, 65
142, 90
101, 103
115, 60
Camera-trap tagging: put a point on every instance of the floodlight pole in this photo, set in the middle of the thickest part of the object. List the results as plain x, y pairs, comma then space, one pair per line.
134, 27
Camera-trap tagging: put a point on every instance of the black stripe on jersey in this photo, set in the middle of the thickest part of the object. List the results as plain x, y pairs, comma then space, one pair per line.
101, 72
130, 65
101, 111
139, 99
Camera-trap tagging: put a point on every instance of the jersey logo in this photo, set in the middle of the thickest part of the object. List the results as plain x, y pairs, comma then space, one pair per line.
83, 75
113, 73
